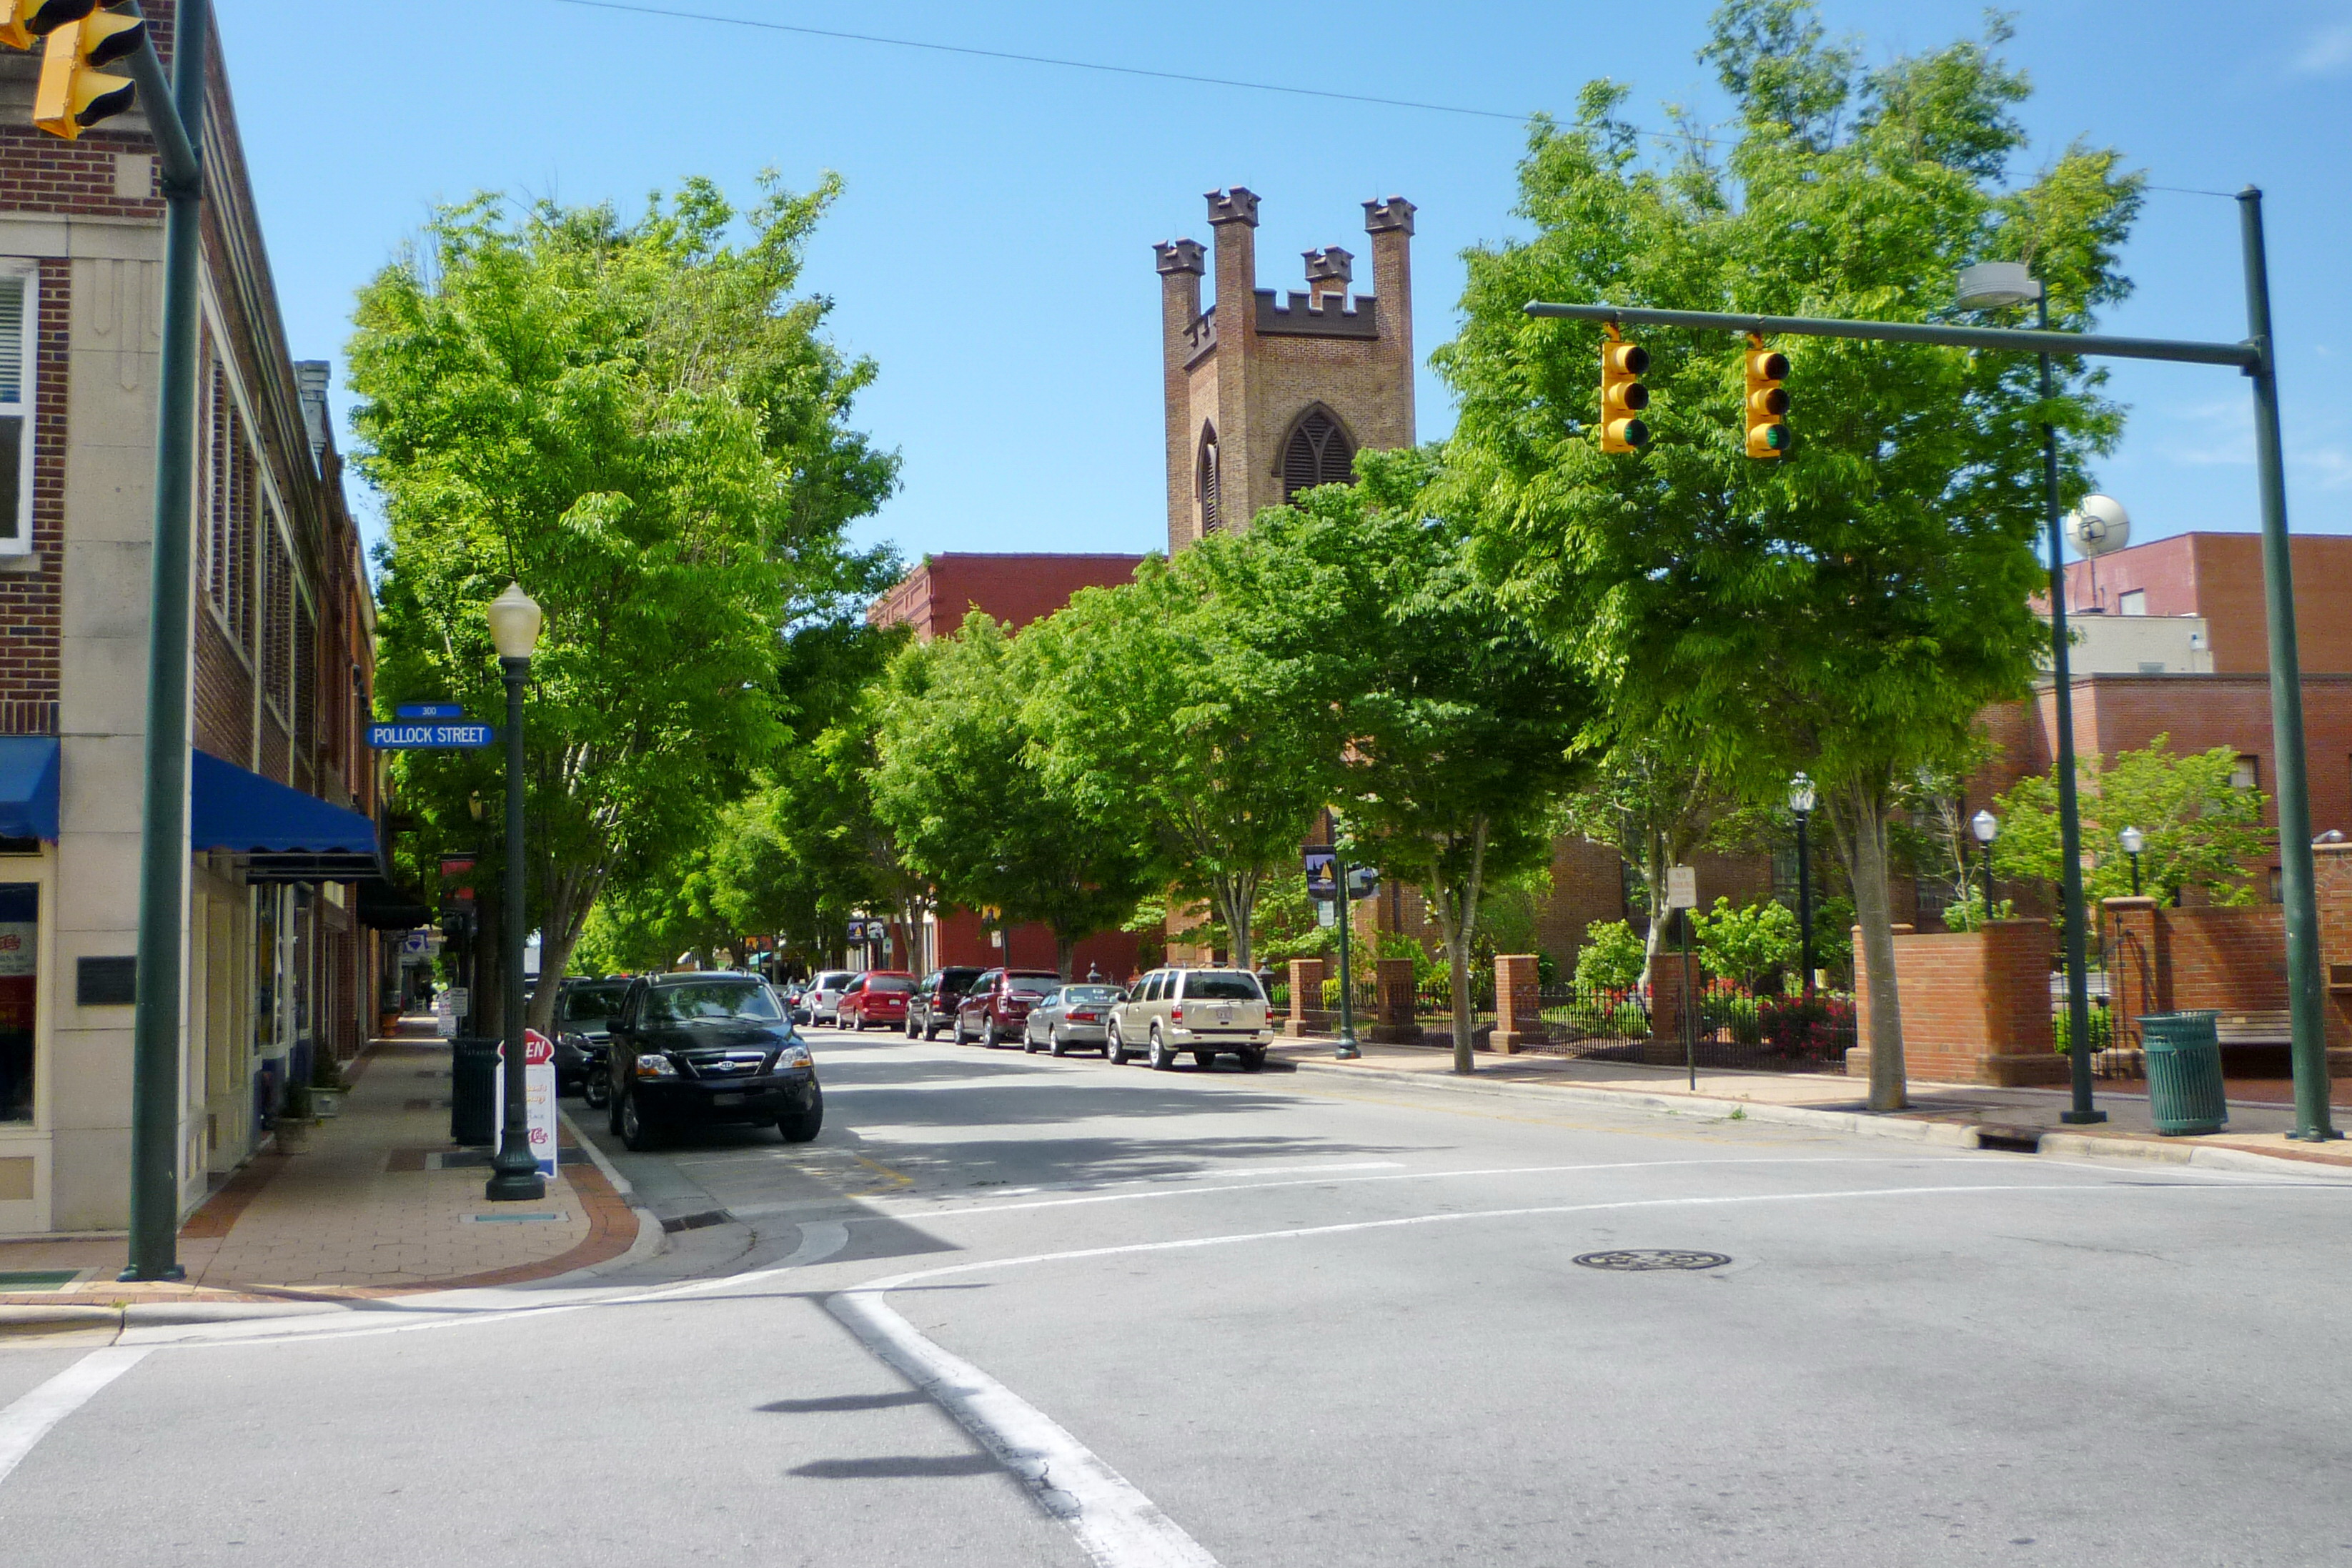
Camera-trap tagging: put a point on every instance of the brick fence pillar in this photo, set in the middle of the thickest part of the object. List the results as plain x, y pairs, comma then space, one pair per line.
1975, 1006
1519, 1007
2331, 866
1392, 1010
1306, 994
2139, 971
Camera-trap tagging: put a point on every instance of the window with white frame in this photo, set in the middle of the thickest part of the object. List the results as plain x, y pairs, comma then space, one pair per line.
19, 312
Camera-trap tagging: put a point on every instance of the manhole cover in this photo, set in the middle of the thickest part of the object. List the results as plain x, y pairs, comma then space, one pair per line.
1643, 1259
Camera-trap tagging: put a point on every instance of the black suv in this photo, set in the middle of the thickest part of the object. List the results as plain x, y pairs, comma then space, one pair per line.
932, 1008
697, 1049
583, 1023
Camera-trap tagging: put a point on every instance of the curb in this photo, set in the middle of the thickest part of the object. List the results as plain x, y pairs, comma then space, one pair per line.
1899, 1125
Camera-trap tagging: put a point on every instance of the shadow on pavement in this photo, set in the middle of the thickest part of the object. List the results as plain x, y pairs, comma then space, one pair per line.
841, 1402
896, 1465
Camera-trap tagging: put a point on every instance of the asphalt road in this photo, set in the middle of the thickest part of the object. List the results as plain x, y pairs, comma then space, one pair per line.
1011, 1311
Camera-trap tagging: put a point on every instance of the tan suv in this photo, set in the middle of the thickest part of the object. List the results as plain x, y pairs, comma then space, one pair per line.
1204, 1011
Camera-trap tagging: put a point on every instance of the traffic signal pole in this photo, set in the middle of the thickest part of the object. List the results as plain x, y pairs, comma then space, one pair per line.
2255, 358
176, 117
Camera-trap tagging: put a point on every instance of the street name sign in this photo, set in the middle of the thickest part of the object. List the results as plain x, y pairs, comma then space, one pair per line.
429, 710
429, 736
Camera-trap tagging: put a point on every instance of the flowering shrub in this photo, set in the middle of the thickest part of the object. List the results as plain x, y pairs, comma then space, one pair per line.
1806, 1025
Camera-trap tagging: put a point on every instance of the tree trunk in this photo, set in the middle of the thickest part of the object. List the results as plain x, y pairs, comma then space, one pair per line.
1065, 947
1655, 853
1858, 818
1457, 922
1237, 902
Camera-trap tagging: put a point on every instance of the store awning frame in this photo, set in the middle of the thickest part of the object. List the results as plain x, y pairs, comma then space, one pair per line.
280, 834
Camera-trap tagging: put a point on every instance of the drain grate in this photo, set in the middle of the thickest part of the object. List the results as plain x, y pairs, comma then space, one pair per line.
1650, 1260
701, 1221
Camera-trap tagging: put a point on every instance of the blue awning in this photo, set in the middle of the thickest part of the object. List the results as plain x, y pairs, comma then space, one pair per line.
28, 786
288, 837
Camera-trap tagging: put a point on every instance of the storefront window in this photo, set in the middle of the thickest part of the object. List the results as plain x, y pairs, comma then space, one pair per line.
20, 962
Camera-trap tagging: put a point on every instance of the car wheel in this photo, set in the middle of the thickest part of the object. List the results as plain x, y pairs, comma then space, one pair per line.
595, 1090
613, 1115
1028, 1041
1114, 1049
989, 1037
1162, 1058
911, 1031
930, 1031
637, 1133
801, 1126
1055, 1046
1253, 1058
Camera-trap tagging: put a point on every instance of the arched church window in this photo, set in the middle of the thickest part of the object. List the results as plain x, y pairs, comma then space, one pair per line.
1205, 481
1318, 453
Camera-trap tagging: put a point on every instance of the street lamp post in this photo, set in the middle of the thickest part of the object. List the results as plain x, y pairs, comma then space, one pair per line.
1986, 827
2134, 841
1346, 1050
514, 621
1993, 285
1801, 801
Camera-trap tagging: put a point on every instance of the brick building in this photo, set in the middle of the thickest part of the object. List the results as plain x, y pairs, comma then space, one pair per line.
283, 849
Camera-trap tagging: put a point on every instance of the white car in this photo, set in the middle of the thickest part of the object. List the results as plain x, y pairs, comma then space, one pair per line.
1204, 1011
823, 998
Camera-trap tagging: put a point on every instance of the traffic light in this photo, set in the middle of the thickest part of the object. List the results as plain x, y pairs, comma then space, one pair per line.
1767, 400
74, 92
1623, 395
22, 21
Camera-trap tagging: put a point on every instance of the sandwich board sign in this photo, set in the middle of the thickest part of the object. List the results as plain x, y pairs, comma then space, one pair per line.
538, 1092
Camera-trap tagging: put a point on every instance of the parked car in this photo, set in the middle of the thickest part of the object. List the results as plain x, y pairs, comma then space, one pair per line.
1207, 1012
700, 1049
875, 998
996, 1008
1075, 1017
583, 1025
933, 1005
824, 994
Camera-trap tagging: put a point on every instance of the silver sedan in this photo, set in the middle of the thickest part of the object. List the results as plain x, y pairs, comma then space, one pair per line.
1073, 1017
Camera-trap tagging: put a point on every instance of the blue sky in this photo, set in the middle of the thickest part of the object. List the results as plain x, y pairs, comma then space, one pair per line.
992, 249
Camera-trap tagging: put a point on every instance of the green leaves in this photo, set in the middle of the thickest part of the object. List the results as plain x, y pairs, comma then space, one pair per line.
2204, 834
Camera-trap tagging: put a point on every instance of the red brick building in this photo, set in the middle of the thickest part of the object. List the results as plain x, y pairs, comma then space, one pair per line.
280, 963
934, 598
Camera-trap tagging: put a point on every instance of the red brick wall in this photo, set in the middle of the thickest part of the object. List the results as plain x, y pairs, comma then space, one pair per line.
2220, 576
1976, 1004
38, 173
964, 939
28, 601
935, 596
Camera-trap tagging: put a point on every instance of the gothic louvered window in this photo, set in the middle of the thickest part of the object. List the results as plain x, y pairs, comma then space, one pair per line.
1205, 481
1319, 454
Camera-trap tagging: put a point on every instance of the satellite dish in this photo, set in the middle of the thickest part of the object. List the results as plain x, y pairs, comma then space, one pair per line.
2098, 526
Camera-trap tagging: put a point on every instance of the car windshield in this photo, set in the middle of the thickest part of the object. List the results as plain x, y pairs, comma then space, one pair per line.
592, 1004
1030, 984
894, 985
1221, 985
710, 1001
1090, 994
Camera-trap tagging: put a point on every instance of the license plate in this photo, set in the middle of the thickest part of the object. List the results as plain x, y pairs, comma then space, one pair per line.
1224, 1014
726, 1100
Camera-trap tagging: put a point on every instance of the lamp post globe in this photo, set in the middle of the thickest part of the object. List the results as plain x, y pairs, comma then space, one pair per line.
2134, 841
515, 622
1985, 826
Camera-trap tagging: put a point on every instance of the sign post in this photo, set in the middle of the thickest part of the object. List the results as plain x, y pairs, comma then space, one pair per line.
1682, 898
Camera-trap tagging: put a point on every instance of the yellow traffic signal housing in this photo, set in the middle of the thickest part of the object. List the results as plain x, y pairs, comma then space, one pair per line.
22, 21
1767, 400
74, 93
1623, 395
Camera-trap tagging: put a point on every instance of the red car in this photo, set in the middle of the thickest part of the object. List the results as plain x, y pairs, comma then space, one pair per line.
877, 998
996, 1008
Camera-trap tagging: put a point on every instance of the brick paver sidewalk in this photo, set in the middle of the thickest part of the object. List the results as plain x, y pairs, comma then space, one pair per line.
2254, 1127
379, 1203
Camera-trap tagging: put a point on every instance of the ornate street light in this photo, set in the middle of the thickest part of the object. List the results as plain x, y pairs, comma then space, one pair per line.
2134, 841
1994, 285
515, 622
1802, 801
1986, 827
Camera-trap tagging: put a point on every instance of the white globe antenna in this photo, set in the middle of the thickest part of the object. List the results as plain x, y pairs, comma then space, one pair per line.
2098, 526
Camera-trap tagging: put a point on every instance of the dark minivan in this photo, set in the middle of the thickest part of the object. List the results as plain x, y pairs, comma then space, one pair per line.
932, 1008
705, 1048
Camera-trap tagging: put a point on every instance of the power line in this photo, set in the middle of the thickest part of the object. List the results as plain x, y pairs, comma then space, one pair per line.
1040, 59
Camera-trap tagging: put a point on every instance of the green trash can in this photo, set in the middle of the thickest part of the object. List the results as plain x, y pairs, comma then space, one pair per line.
2184, 1073
473, 1082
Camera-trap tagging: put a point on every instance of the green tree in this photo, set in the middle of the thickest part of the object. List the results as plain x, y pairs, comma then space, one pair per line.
1459, 724
1153, 700
2204, 834
1746, 944
1848, 609
961, 784
1612, 959
641, 424
1657, 801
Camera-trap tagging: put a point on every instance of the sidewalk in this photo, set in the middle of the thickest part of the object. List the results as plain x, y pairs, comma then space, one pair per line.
1977, 1115
379, 1204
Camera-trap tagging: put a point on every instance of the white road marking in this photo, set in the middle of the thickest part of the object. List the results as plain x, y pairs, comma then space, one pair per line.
29, 1420
1117, 1525
820, 1239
